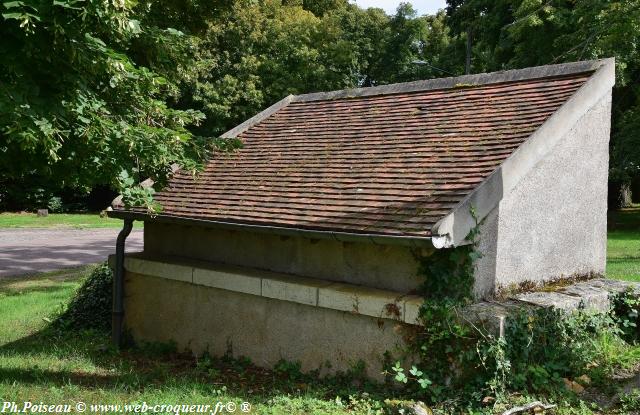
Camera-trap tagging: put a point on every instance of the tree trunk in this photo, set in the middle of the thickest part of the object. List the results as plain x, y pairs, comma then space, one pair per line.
625, 195
467, 63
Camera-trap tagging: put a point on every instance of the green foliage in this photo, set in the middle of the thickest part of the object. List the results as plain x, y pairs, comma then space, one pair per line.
630, 402
251, 54
90, 307
90, 89
461, 362
85, 360
625, 154
540, 349
445, 344
264, 51
414, 374
288, 369
625, 308
453, 265
546, 345
449, 273
136, 195
75, 106
322, 7
519, 33
55, 204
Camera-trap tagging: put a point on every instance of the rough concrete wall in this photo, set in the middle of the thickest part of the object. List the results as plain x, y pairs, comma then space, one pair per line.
553, 224
203, 319
379, 266
484, 281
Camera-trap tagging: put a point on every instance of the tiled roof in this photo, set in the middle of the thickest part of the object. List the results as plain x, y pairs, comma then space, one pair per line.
386, 164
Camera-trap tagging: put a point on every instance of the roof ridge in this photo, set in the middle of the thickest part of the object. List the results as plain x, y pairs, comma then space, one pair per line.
511, 75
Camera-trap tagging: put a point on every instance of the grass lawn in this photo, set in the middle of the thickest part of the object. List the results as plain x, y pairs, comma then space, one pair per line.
69, 220
623, 247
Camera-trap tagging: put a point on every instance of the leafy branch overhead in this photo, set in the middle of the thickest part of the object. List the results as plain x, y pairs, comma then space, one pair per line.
76, 108
135, 194
89, 88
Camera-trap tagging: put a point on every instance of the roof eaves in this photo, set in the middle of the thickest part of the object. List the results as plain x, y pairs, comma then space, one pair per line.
376, 239
453, 229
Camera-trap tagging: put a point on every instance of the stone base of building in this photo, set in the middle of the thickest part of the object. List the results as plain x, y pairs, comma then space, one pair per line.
267, 317
324, 325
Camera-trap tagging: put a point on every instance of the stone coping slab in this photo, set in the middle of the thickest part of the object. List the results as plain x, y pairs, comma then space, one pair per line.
595, 295
313, 292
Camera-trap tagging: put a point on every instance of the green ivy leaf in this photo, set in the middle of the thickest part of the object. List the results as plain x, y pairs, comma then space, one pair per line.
415, 371
424, 383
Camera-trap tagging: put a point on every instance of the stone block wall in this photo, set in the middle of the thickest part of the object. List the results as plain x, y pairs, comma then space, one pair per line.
206, 319
389, 267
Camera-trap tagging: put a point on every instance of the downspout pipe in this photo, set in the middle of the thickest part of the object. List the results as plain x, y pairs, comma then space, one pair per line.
117, 315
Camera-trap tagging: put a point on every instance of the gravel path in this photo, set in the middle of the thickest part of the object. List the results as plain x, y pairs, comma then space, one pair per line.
31, 250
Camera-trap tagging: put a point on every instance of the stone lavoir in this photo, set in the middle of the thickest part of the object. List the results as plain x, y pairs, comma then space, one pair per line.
303, 244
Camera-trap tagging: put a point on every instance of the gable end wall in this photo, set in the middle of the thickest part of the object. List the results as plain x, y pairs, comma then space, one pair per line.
553, 224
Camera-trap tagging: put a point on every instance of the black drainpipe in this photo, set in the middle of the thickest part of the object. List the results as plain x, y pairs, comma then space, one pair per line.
118, 285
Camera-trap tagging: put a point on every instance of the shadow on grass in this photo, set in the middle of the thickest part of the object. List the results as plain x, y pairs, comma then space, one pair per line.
58, 378
26, 361
52, 342
624, 236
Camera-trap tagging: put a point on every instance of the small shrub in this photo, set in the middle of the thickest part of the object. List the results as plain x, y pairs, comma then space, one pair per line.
90, 308
55, 204
547, 345
625, 309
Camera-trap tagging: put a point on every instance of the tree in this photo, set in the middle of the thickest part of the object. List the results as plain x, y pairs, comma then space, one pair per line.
263, 51
91, 89
75, 107
521, 33
387, 47
321, 7
366, 32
